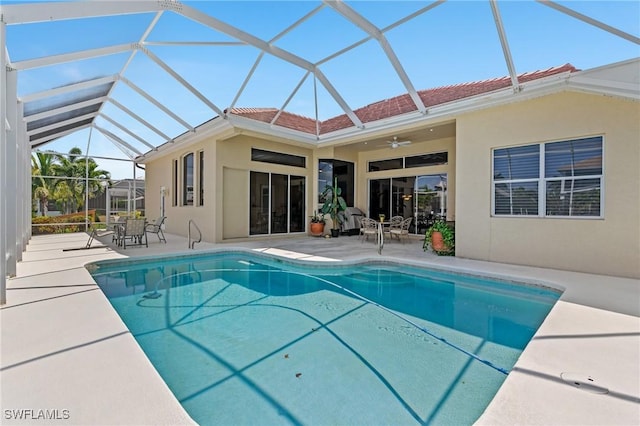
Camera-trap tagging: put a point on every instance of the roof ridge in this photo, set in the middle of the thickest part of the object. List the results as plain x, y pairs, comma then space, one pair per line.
402, 103
568, 66
239, 110
284, 111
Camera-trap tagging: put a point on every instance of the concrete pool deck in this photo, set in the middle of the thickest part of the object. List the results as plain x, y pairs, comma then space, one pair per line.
67, 358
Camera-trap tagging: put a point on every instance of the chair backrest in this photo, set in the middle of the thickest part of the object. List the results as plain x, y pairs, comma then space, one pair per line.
367, 223
396, 222
134, 227
406, 223
159, 221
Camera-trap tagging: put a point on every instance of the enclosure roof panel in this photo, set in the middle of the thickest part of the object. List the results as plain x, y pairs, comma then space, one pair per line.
146, 73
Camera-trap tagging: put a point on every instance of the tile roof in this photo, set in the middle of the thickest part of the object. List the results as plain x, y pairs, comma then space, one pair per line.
394, 106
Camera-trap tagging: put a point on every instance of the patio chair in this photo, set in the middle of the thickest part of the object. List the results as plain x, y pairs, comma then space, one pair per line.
394, 223
116, 225
95, 233
368, 227
155, 227
134, 229
401, 231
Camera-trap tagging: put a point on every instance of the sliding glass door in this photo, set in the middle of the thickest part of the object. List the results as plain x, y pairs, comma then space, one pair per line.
431, 200
421, 197
379, 198
277, 203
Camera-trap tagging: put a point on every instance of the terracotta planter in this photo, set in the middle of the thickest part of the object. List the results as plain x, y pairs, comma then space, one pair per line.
316, 229
437, 243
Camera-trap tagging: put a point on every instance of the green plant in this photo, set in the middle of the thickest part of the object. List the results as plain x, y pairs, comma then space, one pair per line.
448, 236
333, 202
317, 218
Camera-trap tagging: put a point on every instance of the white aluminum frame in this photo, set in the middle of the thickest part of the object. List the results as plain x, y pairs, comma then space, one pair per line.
15, 146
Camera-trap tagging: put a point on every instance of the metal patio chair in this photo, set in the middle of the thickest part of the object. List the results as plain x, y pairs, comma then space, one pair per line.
134, 230
401, 231
368, 227
155, 227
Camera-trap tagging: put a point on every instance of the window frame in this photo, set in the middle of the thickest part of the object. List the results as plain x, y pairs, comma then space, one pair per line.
174, 183
386, 162
542, 180
273, 157
200, 175
185, 184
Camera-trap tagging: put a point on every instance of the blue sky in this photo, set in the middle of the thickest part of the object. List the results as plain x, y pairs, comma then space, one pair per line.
453, 43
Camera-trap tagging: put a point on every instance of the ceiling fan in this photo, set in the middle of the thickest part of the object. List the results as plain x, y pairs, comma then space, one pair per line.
395, 143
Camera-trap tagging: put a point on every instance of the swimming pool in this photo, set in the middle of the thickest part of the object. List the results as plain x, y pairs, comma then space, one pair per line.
242, 338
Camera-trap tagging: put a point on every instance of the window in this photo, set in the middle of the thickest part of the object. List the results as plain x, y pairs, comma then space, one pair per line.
344, 171
201, 178
187, 180
391, 164
174, 189
560, 179
277, 158
422, 160
435, 159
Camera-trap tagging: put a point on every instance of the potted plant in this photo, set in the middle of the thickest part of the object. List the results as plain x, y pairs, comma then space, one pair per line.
333, 205
441, 237
317, 224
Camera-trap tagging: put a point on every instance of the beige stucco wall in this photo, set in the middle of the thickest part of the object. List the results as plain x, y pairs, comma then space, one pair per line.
159, 173
602, 246
234, 162
227, 166
228, 162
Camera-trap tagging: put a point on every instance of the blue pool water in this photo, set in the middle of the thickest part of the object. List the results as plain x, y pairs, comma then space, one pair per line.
245, 339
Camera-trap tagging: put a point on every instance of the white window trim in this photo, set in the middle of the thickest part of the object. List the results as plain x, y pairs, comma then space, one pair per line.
198, 179
182, 181
542, 183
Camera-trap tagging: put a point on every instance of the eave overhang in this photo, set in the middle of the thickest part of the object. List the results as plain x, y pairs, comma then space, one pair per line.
618, 80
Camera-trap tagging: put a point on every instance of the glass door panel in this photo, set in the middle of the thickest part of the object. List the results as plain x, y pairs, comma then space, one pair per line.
379, 198
279, 203
259, 196
297, 220
431, 200
402, 190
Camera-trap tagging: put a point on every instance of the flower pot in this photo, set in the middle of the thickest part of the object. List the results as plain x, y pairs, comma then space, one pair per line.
316, 229
335, 233
437, 243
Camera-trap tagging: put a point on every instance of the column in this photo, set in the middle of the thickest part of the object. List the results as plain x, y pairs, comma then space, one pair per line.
11, 172
3, 162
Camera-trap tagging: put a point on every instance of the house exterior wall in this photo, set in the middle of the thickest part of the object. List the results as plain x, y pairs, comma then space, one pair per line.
233, 167
159, 173
609, 245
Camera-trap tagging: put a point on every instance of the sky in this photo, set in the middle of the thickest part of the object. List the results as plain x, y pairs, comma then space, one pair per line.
452, 43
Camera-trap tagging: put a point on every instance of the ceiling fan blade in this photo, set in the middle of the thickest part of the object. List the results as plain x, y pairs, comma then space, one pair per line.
395, 143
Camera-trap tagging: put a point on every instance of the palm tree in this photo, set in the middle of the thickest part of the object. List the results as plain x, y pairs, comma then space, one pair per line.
43, 165
73, 165
91, 170
68, 166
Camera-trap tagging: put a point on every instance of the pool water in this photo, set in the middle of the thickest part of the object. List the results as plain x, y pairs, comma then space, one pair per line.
244, 339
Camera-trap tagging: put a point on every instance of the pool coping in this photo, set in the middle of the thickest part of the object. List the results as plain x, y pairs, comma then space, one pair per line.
578, 335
